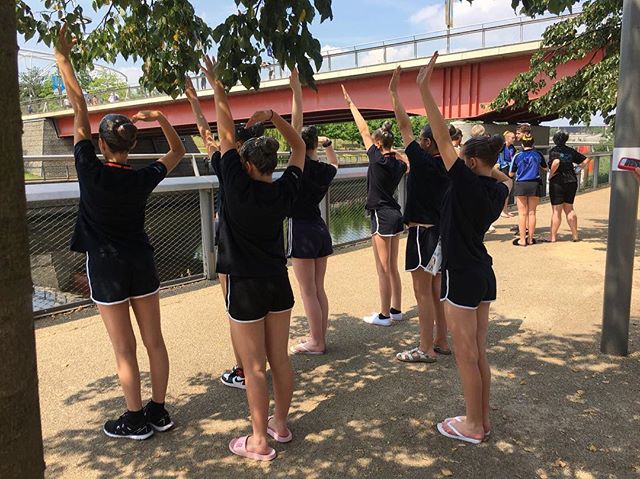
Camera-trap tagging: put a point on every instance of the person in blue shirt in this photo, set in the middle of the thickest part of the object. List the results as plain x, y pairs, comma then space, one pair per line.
505, 156
525, 167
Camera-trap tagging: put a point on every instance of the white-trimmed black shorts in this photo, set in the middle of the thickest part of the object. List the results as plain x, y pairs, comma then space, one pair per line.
250, 299
114, 279
308, 239
424, 249
386, 222
467, 288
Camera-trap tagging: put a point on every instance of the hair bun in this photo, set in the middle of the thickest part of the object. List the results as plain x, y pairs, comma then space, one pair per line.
387, 126
495, 143
127, 131
268, 145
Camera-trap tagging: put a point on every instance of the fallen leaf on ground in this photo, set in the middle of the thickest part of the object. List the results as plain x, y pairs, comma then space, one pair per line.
559, 463
592, 448
446, 472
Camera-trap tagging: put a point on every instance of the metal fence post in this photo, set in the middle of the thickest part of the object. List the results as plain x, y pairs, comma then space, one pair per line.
207, 225
194, 165
596, 171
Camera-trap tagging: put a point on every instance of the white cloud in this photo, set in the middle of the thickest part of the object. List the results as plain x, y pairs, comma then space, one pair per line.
464, 14
133, 73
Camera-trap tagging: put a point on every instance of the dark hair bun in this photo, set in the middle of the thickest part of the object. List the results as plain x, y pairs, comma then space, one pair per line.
127, 131
310, 137
495, 143
268, 145
387, 126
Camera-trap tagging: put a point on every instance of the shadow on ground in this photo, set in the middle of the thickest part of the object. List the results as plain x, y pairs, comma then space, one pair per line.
358, 412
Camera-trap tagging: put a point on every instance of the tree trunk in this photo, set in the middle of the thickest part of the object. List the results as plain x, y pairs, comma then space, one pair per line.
21, 453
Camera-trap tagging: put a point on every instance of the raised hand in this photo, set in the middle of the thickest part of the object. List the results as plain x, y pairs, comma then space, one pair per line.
65, 42
209, 68
346, 95
294, 80
189, 90
395, 79
146, 115
260, 116
425, 72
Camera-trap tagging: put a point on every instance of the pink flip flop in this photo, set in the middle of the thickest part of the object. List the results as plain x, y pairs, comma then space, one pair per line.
238, 446
459, 419
301, 348
457, 434
272, 432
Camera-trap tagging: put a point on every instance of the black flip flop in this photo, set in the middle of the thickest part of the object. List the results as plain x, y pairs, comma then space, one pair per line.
516, 242
444, 352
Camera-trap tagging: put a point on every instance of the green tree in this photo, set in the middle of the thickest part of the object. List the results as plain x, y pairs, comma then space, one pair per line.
33, 84
593, 33
171, 48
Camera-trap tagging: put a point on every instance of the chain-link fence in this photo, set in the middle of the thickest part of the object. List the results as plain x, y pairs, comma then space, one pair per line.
59, 275
180, 226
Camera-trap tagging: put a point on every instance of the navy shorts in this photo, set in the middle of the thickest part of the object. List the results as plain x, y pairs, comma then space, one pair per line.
309, 239
562, 192
528, 188
423, 249
250, 299
467, 288
114, 279
386, 222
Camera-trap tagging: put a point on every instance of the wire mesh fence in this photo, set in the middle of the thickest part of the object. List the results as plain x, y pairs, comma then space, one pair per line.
348, 221
59, 275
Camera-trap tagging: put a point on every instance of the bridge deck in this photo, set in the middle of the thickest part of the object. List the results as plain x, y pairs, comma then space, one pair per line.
560, 408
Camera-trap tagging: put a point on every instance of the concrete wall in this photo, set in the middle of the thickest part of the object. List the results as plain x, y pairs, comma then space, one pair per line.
39, 137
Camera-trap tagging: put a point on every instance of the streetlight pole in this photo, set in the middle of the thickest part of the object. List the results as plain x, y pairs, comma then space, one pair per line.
623, 206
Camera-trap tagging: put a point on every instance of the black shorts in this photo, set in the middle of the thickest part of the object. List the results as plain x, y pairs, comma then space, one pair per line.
562, 192
468, 288
423, 249
216, 229
386, 222
114, 279
309, 239
250, 299
528, 188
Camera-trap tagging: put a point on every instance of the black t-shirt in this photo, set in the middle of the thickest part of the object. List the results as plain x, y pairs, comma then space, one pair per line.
251, 237
427, 183
316, 179
113, 198
566, 169
383, 178
215, 159
470, 206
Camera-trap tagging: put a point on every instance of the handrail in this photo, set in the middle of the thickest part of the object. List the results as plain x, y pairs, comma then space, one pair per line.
274, 71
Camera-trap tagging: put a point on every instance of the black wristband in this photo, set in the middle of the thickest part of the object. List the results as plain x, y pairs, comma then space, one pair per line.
326, 144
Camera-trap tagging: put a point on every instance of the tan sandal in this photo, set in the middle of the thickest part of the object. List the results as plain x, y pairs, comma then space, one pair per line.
415, 355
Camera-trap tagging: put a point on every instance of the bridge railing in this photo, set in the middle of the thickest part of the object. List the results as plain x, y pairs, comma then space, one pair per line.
180, 223
399, 49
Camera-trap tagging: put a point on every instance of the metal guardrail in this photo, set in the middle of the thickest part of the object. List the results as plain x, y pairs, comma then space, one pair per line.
180, 224
469, 38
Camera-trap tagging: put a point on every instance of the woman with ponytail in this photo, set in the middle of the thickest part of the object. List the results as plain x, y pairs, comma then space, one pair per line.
474, 201
251, 255
383, 177
120, 265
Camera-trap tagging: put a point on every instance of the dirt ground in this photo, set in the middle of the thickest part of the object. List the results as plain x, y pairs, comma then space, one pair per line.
560, 408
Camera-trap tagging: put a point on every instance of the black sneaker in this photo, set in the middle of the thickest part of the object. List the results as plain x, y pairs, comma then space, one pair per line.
234, 378
157, 417
120, 428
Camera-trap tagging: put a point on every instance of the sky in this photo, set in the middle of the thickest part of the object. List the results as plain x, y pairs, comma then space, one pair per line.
360, 22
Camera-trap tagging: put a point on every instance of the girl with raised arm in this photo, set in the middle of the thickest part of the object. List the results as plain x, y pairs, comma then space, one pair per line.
309, 238
251, 254
474, 201
120, 264
427, 182
383, 177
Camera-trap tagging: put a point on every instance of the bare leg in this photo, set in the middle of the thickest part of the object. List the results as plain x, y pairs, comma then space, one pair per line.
426, 309
250, 342
277, 337
441, 324
118, 323
572, 219
556, 221
463, 324
394, 274
321, 270
223, 285
147, 312
381, 253
483, 363
523, 213
532, 204
306, 276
